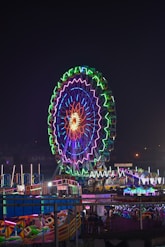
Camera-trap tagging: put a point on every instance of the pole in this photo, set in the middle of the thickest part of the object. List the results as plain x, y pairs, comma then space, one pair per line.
4, 204
2, 177
41, 219
22, 182
141, 220
76, 226
12, 178
39, 172
55, 226
31, 174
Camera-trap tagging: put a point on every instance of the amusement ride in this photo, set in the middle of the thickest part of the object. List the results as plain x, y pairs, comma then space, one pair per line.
82, 132
82, 119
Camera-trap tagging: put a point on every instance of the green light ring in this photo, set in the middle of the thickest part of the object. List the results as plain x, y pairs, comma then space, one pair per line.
98, 81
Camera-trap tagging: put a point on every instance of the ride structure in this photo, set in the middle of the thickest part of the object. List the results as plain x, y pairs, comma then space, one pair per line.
81, 120
82, 131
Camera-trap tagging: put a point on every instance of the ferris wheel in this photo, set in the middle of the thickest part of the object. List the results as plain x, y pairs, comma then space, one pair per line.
81, 118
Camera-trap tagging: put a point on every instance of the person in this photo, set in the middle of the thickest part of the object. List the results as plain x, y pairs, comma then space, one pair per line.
104, 217
90, 223
100, 225
107, 223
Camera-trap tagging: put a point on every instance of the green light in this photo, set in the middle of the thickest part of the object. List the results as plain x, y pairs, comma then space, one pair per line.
106, 102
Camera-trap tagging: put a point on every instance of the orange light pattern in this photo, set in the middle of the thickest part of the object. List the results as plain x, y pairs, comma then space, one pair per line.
75, 121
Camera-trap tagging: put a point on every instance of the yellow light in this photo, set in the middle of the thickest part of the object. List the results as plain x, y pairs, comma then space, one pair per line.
74, 121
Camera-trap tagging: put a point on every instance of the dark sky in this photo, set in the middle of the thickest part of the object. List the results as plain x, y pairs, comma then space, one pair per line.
125, 40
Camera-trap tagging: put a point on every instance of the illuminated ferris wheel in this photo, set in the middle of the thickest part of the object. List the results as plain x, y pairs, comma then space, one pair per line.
81, 118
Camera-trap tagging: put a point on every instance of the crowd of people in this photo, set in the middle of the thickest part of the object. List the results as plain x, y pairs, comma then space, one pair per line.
118, 216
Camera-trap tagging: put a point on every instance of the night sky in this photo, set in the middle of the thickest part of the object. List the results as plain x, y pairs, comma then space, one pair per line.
125, 40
